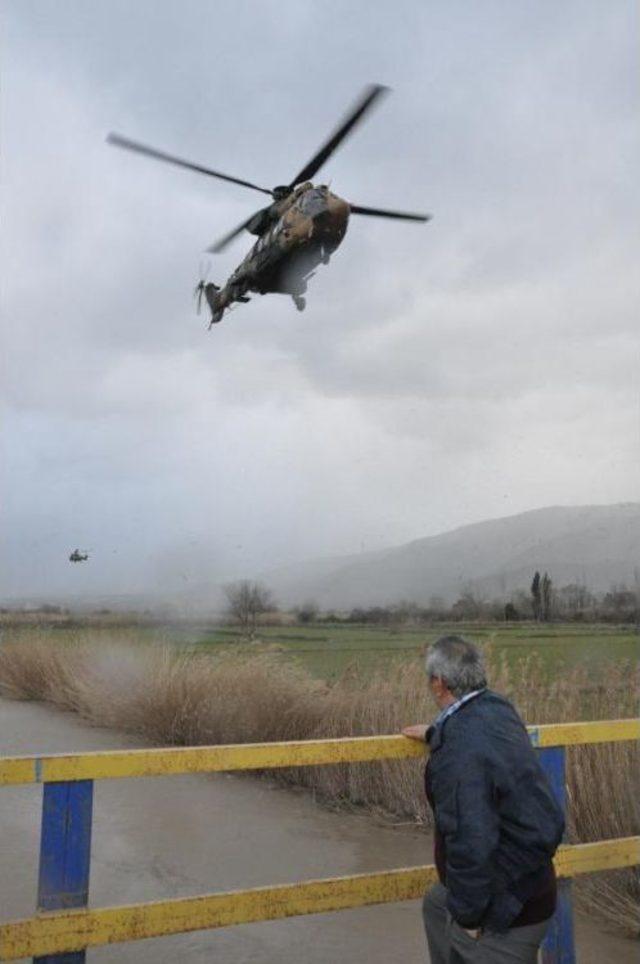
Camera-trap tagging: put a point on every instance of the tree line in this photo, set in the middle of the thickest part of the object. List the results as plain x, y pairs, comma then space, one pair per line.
248, 602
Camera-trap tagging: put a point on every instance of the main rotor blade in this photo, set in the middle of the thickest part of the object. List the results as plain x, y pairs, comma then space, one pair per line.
223, 242
366, 101
119, 141
381, 213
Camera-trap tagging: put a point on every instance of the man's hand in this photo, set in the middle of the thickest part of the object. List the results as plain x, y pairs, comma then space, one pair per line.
416, 732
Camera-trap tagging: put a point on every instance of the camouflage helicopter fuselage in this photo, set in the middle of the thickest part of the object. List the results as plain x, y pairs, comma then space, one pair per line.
297, 234
300, 229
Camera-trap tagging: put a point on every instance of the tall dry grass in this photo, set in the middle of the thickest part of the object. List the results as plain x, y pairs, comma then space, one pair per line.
187, 698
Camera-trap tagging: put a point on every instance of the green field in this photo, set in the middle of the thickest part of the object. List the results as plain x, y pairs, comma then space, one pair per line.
327, 650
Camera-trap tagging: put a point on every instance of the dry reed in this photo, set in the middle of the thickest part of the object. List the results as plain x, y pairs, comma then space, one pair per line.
187, 698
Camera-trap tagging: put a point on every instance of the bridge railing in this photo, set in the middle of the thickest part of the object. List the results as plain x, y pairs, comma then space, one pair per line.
64, 926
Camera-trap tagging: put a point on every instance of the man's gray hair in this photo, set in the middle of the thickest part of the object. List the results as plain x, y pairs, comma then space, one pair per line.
458, 663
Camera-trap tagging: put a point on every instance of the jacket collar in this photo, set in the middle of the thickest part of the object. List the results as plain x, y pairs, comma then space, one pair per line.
435, 731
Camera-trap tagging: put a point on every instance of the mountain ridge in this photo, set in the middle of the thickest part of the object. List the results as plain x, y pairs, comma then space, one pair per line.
595, 545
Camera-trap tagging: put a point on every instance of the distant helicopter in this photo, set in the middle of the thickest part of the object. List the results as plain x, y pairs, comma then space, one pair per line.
300, 230
77, 556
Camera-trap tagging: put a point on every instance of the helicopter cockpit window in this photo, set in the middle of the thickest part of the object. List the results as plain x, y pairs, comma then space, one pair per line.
313, 202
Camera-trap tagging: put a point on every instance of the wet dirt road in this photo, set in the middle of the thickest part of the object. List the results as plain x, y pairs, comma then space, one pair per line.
162, 837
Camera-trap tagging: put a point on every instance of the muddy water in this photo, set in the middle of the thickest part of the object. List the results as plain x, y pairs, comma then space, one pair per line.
175, 837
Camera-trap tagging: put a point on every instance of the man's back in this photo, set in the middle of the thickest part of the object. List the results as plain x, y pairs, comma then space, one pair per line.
495, 812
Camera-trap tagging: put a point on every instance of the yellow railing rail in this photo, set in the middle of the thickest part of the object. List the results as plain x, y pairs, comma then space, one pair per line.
261, 756
64, 925
76, 929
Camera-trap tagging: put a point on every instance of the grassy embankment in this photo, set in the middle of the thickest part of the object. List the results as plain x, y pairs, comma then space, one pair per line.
214, 691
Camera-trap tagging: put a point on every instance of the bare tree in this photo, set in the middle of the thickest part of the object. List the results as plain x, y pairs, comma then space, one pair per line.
511, 613
574, 600
246, 601
308, 612
467, 606
619, 605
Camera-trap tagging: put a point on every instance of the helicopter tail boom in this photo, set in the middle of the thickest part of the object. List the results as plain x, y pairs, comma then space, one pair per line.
216, 303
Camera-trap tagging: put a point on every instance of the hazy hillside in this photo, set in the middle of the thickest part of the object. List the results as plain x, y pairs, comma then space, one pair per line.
597, 546
593, 545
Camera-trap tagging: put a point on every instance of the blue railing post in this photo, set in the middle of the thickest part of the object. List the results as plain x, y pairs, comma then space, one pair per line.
65, 853
558, 946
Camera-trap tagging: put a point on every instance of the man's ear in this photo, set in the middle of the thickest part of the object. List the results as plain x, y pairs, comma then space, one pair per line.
439, 687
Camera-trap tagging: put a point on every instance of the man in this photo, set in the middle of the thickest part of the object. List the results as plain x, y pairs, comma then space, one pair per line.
497, 824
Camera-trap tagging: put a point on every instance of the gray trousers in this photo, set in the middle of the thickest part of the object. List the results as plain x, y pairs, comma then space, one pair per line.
450, 944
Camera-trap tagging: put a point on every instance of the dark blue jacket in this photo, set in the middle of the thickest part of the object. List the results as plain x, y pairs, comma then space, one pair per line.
495, 810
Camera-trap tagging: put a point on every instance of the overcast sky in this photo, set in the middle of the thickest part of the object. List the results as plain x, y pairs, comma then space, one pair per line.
478, 366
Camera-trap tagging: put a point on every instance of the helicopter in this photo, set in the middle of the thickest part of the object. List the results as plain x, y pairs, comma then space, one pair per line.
299, 230
77, 556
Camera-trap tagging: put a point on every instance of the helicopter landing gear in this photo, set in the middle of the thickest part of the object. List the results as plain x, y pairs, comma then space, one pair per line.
299, 302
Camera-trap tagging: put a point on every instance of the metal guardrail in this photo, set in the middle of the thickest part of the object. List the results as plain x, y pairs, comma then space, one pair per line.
64, 927
103, 765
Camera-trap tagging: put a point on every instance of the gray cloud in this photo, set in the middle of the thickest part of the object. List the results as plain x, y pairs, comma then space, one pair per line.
477, 366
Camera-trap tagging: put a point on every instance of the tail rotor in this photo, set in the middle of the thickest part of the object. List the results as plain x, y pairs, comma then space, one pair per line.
198, 292
209, 291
